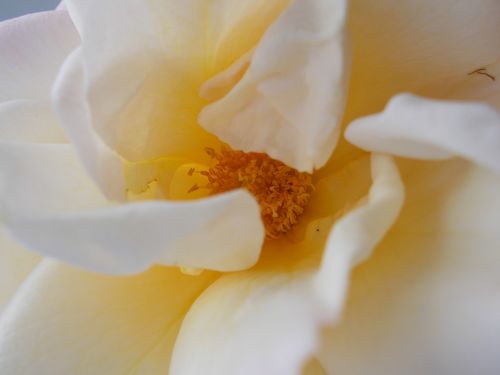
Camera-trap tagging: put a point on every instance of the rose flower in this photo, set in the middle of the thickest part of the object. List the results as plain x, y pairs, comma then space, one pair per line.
251, 187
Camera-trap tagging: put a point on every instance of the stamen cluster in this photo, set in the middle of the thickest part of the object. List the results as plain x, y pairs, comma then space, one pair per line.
282, 192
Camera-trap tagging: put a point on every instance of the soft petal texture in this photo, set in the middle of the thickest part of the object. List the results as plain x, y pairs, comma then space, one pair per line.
290, 100
427, 301
143, 86
65, 321
15, 265
30, 121
32, 49
102, 164
429, 129
266, 320
404, 45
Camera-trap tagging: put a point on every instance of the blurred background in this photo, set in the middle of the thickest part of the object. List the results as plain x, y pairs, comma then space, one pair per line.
15, 8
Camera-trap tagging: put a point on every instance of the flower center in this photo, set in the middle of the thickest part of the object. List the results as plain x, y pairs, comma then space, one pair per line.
282, 192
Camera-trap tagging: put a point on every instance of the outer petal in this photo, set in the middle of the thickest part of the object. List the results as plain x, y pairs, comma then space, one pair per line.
290, 101
32, 49
428, 129
65, 321
266, 320
428, 300
50, 205
405, 45
30, 121
15, 265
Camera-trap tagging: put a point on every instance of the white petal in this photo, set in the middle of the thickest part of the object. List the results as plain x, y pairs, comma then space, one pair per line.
64, 321
50, 205
29, 120
102, 164
290, 101
428, 129
32, 49
223, 233
428, 300
401, 46
43, 178
266, 320
353, 238
15, 265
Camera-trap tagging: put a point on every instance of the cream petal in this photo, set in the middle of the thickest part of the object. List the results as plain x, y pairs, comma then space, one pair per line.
50, 205
267, 320
428, 300
479, 85
353, 238
65, 321
32, 49
401, 46
250, 323
29, 120
15, 265
430, 129
290, 101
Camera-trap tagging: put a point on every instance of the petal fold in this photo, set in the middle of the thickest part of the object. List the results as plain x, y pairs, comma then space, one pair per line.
15, 265
422, 128
50, 205
289, 102
430, 291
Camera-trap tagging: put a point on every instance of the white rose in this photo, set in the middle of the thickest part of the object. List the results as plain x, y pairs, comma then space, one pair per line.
104, 131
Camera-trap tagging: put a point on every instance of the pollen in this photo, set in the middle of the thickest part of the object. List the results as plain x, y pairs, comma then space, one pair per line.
282, 192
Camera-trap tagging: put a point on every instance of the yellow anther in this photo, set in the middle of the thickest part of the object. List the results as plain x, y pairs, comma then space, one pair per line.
281, 191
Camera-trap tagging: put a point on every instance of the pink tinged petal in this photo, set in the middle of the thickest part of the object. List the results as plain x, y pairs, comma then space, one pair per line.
61, 5
267, 320
66, 321
429, 129
50, 205
32, 48
290, 101
428, 301
29, 121
15, 265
